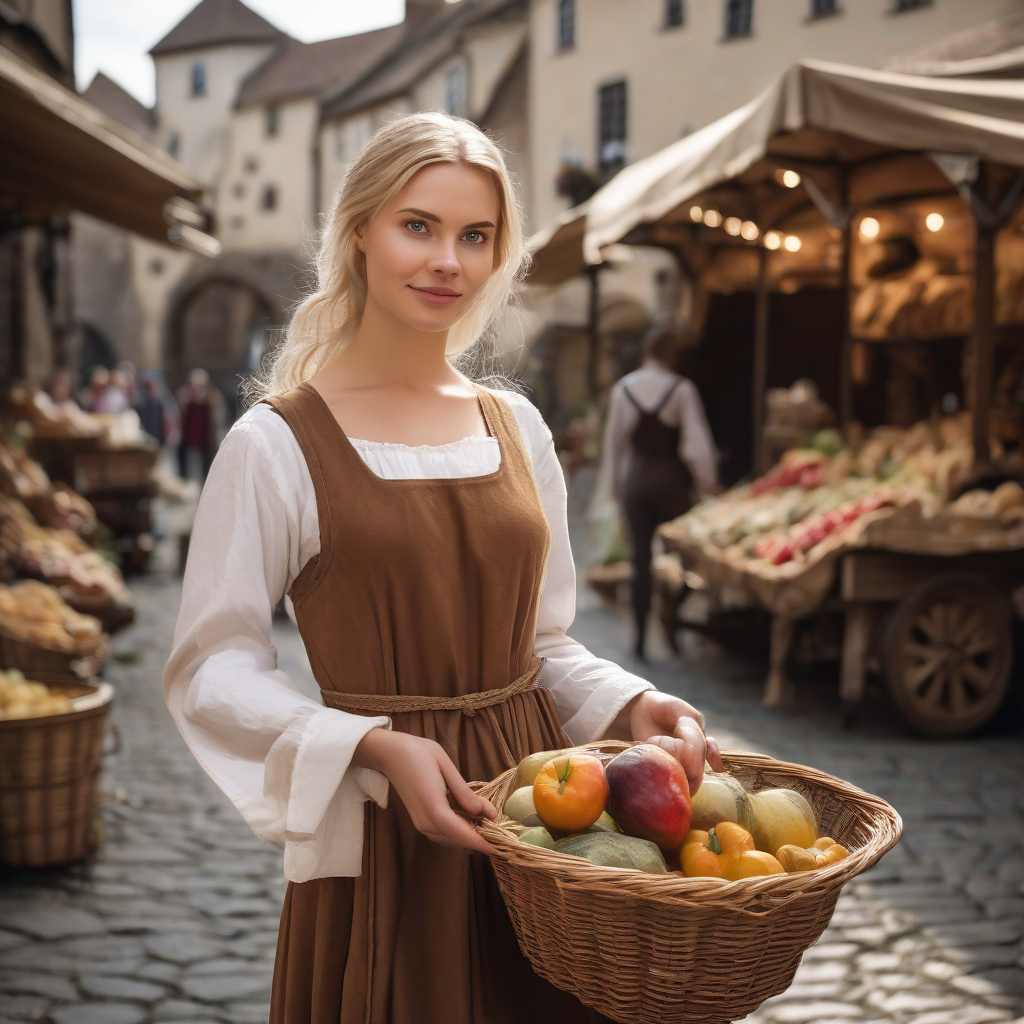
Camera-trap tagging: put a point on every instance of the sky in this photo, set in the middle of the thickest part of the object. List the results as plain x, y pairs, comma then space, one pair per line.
114, 36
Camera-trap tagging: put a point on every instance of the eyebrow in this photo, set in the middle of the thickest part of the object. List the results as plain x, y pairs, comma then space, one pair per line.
437, 220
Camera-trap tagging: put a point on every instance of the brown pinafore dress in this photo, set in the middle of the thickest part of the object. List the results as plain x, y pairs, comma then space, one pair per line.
421, 605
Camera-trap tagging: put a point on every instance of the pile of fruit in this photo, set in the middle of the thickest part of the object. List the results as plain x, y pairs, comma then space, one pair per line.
35, 612
636, 813
20, 698
820, 493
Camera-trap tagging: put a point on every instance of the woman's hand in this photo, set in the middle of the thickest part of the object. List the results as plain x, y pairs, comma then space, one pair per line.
677, 727
423, 775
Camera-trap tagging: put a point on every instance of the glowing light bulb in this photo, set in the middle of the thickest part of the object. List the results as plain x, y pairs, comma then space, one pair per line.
772, 240
696, 214
790, 179
792, 243
748, 229
712, 218
733, 225
869, 228
934, 221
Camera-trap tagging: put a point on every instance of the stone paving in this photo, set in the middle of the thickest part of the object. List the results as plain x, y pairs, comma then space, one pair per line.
175, 919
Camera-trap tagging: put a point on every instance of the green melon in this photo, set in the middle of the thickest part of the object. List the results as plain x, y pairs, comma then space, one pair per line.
612, 850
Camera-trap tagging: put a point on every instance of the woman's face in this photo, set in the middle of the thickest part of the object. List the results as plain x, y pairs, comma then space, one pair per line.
431, 249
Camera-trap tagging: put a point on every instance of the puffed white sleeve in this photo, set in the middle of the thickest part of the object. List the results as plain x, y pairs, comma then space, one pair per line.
589, 692
282, 759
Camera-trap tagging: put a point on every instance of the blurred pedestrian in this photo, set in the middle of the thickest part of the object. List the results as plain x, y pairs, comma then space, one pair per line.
95, 391
199, 404
60, 390
660, 447
151, 411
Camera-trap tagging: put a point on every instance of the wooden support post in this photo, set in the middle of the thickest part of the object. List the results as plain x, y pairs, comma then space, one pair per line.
856, 637
593, 329
775, 684
760, 376
846, 342
983, 340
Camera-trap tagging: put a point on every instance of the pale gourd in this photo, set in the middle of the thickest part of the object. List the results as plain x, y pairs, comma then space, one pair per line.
539, 836
519, 806
720, 798
530, 766
782, 817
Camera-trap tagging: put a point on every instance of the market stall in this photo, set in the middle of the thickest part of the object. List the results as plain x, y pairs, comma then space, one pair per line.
900, 195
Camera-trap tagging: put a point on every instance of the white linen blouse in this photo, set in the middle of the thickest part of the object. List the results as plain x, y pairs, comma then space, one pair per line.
283, 759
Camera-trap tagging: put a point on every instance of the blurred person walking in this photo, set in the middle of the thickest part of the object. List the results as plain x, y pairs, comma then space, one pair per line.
660, 447
199, 405
101, 395
152, 415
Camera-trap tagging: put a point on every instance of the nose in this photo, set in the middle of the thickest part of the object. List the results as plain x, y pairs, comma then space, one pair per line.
444, 260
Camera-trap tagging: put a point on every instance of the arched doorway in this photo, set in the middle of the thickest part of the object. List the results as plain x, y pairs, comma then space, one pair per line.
220, 325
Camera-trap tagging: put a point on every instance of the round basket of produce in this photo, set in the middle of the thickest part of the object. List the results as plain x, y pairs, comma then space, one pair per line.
51, 739
41, 634
650, 907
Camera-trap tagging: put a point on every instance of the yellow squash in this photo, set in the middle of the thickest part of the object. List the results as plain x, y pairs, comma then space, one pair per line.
824, 852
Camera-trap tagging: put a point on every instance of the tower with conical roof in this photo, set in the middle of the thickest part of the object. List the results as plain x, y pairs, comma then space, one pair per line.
200, 64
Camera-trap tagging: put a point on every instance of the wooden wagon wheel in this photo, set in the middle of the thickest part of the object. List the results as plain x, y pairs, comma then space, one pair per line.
947, 652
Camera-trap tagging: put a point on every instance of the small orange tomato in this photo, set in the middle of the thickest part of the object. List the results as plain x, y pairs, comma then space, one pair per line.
570, 792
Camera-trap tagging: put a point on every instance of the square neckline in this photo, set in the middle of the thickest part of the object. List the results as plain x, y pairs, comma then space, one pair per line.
420, 481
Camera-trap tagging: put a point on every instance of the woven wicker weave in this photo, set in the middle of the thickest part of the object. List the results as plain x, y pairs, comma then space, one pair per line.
49, 768
667, 949
36, 660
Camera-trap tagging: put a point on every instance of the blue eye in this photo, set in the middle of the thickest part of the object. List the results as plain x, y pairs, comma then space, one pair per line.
416, 225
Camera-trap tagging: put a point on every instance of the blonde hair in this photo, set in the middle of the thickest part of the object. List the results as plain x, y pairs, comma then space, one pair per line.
324, 322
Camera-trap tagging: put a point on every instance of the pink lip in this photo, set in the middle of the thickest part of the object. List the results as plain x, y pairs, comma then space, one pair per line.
438, 296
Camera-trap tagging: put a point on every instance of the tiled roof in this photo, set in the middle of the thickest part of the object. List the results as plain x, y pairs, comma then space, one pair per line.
216, 23
106, 95
422, 50
307, 69
990, 48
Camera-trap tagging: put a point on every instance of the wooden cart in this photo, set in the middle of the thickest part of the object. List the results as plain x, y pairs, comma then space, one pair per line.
931, 611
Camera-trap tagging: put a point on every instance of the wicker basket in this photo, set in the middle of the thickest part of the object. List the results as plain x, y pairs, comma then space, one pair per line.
667, 949
49, 769
38, 662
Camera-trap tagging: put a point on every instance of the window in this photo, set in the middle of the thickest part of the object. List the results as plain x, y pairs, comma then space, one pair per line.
155, 266
739, 18
675, 13
268, 200
174, 145
251, 164
566, 24
237, 223
273, 122
611, 155
198, 79
824, 8
238, 190
899, 6
456, 90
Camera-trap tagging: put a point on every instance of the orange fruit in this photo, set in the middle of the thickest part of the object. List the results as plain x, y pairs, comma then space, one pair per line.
570, 792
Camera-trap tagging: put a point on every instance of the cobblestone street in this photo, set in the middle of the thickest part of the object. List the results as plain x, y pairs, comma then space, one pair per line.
176, 918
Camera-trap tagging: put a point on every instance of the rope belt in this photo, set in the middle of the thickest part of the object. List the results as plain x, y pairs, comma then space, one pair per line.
396, 704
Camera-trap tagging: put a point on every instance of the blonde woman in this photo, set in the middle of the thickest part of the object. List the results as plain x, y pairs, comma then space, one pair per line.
417, 523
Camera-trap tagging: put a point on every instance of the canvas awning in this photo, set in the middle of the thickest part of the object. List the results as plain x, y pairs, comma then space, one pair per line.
817, 117
61, 152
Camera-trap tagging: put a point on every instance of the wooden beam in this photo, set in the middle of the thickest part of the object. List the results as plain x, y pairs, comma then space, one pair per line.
760, 376
982, 341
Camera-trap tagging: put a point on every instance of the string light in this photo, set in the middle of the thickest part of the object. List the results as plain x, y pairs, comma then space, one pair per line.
712, 218
934, 221
696, 214
792, 243
788, 178
733, 226
772, 240
748, 229
869, 228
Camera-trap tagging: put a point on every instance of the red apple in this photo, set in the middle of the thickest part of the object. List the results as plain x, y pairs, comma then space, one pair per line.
648, 796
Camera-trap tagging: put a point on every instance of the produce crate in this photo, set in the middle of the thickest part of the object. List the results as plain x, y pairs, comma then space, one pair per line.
641, 947
49, 770
113, 470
